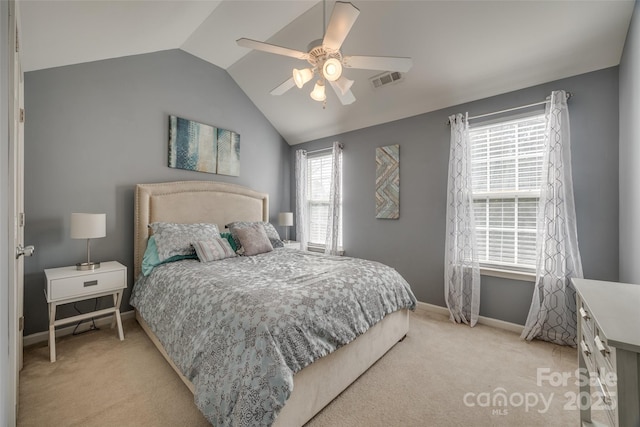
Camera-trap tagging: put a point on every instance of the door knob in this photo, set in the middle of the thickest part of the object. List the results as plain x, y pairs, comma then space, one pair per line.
26, 251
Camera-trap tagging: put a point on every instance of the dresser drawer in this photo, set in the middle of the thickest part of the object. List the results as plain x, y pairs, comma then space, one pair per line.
585, 318
605, 354
586, 347
70, 287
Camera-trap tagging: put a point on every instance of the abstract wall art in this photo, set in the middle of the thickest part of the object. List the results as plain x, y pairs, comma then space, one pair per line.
388, 182
228, 153
203, 148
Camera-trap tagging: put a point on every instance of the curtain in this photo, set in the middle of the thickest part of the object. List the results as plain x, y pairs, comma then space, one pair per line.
335, 198
552, 316
302, 218
461, 268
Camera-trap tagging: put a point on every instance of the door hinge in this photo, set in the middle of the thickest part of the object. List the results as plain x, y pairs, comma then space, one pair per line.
22, 115
21, 219
17, 40
21, 324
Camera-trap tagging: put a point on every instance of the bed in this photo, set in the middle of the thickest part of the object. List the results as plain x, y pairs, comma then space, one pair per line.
301, 391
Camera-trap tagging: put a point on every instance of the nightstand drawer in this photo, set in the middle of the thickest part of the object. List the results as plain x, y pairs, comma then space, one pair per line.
89, 284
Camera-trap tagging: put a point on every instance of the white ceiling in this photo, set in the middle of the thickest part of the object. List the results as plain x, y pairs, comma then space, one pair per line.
462, 50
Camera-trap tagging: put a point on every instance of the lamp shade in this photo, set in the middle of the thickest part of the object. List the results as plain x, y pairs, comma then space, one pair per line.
88, 226
285, 219
344, 84
318, 92
300, 77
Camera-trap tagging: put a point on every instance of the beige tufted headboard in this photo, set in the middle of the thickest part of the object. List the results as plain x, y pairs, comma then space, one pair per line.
191, 202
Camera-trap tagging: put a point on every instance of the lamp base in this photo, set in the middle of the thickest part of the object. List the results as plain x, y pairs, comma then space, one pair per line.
87, 265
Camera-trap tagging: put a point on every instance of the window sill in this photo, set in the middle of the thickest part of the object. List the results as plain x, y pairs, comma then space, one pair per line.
508, 274
320, 249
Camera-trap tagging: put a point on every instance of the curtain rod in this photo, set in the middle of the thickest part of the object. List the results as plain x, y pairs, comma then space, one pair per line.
515, 108
569, 95
323, 149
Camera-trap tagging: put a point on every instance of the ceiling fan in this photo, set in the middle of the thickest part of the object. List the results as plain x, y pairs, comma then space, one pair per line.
326, 59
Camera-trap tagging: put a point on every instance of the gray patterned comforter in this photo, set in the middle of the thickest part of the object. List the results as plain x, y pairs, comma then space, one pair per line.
241, 327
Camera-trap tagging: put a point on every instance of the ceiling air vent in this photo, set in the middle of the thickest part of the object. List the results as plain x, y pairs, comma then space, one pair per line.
386, 79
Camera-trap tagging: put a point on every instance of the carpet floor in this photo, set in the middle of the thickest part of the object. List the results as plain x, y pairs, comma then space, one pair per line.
442, 374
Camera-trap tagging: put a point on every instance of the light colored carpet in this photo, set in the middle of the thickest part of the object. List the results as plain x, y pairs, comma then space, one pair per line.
422, 381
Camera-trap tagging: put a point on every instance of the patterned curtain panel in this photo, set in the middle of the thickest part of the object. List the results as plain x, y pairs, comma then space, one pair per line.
461, 269
302, 217
333, 222
552, 316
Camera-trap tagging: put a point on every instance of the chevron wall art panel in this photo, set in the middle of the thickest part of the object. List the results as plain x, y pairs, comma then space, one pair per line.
388, 182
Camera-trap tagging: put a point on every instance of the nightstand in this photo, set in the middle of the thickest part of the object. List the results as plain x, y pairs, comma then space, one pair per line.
67, 284
291, 244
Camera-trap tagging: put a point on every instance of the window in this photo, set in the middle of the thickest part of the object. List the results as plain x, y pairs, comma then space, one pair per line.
319, 171
506, 167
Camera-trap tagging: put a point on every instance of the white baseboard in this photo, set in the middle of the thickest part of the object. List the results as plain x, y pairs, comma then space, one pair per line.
500, 324
39, 337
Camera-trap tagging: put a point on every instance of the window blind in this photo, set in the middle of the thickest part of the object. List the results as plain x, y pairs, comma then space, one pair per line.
319, 171
506, 168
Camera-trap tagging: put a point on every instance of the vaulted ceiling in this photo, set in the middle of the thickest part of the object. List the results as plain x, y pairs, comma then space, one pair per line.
461, 50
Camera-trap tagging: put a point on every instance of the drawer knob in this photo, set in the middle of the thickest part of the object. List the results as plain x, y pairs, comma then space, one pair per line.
600, 345
90, 283
585, 348
584, 314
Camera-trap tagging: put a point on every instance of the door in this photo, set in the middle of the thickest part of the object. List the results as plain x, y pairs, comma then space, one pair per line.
16, 200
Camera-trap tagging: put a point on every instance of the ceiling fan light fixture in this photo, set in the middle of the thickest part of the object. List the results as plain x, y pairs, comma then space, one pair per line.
344, 84
318, 93
301, 77
332, 69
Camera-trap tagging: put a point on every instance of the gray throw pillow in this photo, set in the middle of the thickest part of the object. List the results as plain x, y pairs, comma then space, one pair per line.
254, 240
271, 231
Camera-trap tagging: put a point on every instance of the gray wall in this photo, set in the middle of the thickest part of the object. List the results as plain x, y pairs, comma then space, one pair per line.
630, 154
95, 130
414, 243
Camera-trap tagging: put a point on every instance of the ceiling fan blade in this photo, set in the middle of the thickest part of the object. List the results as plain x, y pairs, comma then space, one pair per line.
345, 98
285, 86
343, 17
382, 63
271, 48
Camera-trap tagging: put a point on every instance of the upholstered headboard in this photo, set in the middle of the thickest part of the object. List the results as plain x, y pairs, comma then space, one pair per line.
191, 202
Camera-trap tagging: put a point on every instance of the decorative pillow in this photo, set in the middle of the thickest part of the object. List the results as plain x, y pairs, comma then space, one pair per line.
213, 249
272, 234
254, 240
150, 258
175, 239
230, 239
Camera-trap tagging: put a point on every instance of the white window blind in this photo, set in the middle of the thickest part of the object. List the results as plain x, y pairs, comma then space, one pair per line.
319, 170
506, 165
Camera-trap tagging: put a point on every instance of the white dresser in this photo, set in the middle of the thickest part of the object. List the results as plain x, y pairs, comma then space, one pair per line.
609, 349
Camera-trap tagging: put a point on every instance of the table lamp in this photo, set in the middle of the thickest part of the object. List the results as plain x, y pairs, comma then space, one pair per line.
88, 226
285, 219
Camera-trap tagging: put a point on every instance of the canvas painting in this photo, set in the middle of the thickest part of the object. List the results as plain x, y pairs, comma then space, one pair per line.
388, 182
228, 153
203, 148
192, 145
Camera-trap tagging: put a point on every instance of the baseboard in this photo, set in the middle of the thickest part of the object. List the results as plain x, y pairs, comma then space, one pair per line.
500, 324
39, 337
